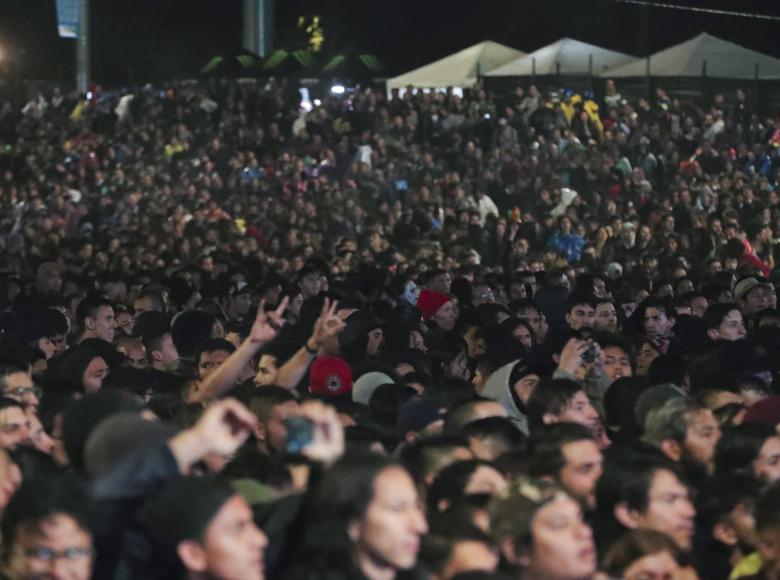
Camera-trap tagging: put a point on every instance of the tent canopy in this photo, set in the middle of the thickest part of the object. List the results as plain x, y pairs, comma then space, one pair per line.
723, 59
565, 56
457, 70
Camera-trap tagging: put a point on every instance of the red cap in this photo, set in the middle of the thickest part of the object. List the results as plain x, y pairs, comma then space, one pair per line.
330, 376
429, 303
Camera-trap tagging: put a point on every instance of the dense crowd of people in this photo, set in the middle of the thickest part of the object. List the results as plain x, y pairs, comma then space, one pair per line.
390, 336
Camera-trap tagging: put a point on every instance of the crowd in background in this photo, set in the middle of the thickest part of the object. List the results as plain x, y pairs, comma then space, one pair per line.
388, 336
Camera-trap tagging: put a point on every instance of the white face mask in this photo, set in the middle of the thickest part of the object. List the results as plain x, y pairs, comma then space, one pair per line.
411, 293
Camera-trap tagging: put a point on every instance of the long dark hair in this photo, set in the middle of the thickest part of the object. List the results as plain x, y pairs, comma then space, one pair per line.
342, 496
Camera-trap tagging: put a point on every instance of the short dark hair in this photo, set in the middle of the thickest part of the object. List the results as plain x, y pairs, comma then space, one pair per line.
89, 308
39, 499
552, 396
718, 497
738, 447
426, 456
716, 313
451, 482
214, 345
462, 413
545, 449
498, 432
767, 510
268, 397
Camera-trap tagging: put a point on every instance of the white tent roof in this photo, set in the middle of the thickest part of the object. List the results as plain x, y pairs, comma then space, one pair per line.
724, 60
567, 56
459, 69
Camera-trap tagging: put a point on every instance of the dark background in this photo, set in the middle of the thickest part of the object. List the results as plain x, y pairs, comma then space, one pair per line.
140, 40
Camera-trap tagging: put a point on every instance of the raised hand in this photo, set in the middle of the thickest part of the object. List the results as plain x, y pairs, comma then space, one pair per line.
327, 326
224, 427
268, 324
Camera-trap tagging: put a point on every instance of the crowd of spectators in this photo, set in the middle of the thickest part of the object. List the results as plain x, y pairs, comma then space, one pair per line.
420, 336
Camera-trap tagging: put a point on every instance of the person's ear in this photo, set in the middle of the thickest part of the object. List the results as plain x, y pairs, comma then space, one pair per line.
626, 516
157, 355
671, 449
713, 333
192, 556
89, 323
725, 534
353, 531
549, 419
508, 550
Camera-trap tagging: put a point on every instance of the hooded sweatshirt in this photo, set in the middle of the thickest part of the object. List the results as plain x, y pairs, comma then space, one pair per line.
499, 389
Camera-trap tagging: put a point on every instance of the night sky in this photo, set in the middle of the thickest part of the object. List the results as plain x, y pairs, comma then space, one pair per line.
142, 40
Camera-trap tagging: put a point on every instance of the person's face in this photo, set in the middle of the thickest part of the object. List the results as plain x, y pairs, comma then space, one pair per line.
417, 341
562, 542
701, 437
644, 358
104, 325
524, 388
124, 321
266, 370
38, 436
580, 411
757, 299
657, 323
59, 549
616, 363
441, 283
606, 317
523, 336
483, 295
60, 344
241, 304
209, 361
767, 465
389, 533
310, 285
275, 430
445, 316
375, 338
233, 547
136, 356
96, 371
19, 387
658, 566
168, 354
14, 428
581, 315
10, 479
699, 306
47, 346
459, 367
581, 471
536, 320
669, 509
732, 327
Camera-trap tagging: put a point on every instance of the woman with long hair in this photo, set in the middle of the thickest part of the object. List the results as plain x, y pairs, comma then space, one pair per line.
363, 522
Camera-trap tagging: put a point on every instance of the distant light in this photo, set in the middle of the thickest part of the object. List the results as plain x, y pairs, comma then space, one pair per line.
486, 115
338, 89
89, 95
317, 102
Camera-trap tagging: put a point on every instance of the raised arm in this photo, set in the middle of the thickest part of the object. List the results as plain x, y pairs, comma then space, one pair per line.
264, 330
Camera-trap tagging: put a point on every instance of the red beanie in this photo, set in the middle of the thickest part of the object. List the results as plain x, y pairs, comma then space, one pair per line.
429, 302
330, 376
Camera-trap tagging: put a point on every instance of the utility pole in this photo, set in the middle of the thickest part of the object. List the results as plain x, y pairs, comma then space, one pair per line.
258, 18
82, 48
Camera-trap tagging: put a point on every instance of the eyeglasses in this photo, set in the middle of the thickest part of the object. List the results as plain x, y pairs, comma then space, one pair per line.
49, 555
20, 392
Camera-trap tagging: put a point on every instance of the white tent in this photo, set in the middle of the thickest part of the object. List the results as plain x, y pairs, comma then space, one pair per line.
457, 70
567, 57
703, 55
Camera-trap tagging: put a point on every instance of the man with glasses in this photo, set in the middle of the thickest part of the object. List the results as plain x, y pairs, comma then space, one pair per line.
46, 533
16, 383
